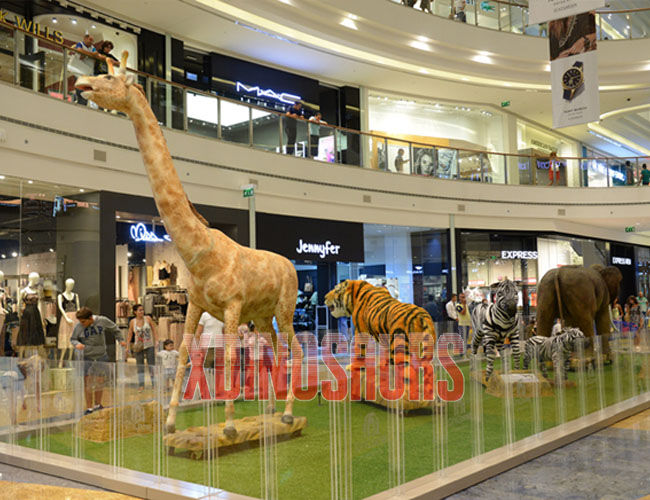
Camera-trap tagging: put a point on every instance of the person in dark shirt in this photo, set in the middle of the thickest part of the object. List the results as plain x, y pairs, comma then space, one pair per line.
432, 308
291, 126
645, 175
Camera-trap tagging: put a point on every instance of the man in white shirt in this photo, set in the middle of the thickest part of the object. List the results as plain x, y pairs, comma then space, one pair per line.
211, 327
452, 312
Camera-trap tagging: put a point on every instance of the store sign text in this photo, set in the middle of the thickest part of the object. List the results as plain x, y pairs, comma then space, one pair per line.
284, 97
140, 233
321, 249
518, 254
623, 261
32, 27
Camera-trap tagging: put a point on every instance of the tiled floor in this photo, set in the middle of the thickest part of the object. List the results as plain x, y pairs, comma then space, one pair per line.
609, 465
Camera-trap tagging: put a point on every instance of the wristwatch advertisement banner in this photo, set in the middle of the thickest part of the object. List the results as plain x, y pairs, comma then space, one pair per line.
574, 70
574, 82
541, 11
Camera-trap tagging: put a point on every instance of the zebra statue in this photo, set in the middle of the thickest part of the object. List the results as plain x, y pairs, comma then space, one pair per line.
557, 349
494, 323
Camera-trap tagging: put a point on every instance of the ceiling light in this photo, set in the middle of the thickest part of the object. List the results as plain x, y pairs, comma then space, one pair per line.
353, 17
416, 44
423, 71
81, 190
54, 20
144, 260
4, 256
118, 217
482, 59
14, 254
288, 2
349, 23
52, 250
129, 254
73, 21
547, 68
422, 38
2, 177
30, 182
93, 26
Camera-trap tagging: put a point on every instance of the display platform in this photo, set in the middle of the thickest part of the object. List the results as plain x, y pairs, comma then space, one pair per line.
196, 442
523, 384
134, 419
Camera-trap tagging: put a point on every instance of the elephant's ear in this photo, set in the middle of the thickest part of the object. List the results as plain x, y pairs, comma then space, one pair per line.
613, 277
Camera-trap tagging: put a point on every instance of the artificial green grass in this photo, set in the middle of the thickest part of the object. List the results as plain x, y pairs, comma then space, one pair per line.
309, 467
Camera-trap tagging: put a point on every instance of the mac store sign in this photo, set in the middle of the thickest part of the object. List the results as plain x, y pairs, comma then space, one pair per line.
314, 240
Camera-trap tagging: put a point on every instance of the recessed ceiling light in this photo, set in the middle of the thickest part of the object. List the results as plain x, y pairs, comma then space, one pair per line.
14, 254
2, 177
81, 190
52, 250
422, 38
93, 26
423, 71
416, 44
4, 256
144, 260
73, 21
118, 217
483, 59
129, 254
30, 182
349, 23
54, 20
353, 17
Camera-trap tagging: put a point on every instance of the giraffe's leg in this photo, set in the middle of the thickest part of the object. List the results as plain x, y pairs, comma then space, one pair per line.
191, 322
231, 322
284, 315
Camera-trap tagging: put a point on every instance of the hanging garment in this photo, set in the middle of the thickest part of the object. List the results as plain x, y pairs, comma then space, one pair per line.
31, 325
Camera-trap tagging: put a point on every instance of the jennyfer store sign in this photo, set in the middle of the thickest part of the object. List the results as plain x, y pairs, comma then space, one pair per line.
314, 240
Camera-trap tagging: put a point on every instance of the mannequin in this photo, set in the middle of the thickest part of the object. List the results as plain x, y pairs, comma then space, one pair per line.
68, 303
31, 333
3, 312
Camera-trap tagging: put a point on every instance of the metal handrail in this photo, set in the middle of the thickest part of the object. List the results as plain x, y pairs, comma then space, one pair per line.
543, 32
383, 139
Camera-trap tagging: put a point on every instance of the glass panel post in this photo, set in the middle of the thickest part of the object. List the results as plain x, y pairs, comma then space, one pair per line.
476, 408
440, 456
336, 147
280, 133
250, 127
537, 391
65, 74
559, 374
508, 403
600, 375
17, 58
185, 109
580, 375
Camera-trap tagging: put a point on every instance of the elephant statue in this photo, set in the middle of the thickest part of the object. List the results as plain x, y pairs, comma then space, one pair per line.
585, 295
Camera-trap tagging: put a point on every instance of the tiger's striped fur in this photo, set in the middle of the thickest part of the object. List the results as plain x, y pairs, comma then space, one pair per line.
376, 313
494, 323
557, 349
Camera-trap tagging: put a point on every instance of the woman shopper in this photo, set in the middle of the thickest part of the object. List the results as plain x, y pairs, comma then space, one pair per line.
146, 338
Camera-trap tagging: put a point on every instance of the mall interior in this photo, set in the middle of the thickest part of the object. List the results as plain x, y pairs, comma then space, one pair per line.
410, 145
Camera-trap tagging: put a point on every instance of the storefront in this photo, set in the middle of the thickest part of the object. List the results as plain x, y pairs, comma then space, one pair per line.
623, 257
411, 262
534, 146
441, 125
488, 257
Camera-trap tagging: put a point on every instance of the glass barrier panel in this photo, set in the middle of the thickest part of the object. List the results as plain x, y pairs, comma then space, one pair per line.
517, 19
10, 405
323, 143
443, 8
7, 54
202, 115
235, 122
638, 24
161, 101
470, 166
613, 26
348, 144
267, 133
399, 157
488, 14
447, 163
527, 170
178, 108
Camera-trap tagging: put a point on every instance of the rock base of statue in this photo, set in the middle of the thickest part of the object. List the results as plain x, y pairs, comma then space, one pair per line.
201, 442
405, 403
522, 383
136, 418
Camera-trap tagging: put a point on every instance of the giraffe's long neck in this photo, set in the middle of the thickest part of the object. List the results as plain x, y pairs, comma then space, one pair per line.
189, 235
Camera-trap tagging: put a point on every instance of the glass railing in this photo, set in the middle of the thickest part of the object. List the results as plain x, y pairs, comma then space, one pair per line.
45, 67
611, 23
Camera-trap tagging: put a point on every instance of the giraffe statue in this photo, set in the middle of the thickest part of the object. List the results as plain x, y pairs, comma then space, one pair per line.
233, 283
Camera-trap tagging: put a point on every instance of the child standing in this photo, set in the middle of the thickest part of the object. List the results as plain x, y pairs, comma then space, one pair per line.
169, 359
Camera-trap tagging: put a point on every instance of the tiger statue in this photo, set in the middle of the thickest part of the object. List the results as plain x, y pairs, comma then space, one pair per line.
557, 349
375, 312
494, 323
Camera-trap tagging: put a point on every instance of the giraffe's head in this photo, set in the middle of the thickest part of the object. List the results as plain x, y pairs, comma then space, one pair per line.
115, 90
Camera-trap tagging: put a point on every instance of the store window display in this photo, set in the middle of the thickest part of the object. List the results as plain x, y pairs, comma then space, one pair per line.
68, 305
31, 333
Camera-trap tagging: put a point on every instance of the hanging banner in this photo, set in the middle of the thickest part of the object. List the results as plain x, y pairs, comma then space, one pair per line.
574, 70
540, 11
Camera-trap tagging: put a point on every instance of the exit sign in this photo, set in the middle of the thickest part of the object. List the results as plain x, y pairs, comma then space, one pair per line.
248, 192
630, 229
505, 104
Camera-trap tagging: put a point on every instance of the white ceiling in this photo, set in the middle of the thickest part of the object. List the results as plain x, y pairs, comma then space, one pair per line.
305, 37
